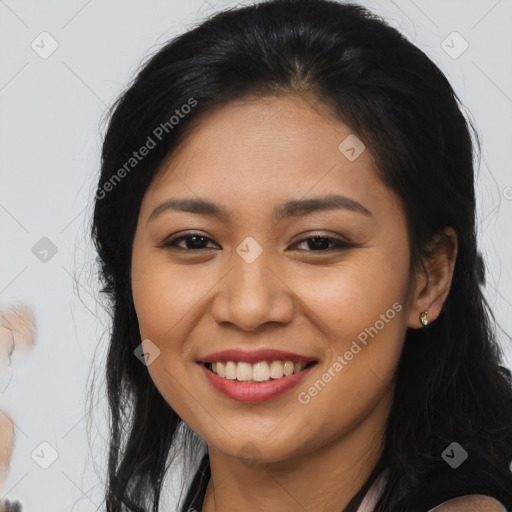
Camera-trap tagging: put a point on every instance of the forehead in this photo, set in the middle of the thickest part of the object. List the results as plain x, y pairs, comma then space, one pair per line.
252, 153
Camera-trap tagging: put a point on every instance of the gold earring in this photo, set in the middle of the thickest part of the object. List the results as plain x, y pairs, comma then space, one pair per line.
424, 318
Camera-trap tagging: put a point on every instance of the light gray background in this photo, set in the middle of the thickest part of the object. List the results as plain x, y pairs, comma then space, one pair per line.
50, 137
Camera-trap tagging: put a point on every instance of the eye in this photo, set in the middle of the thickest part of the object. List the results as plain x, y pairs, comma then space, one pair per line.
197, 242
321, 243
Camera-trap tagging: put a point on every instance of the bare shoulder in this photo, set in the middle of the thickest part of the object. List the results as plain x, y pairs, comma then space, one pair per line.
470, 503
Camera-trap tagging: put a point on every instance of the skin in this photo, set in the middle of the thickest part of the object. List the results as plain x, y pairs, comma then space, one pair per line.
249, 156
472, 503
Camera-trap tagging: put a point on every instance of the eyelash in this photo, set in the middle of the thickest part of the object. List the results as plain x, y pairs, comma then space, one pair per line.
339, 244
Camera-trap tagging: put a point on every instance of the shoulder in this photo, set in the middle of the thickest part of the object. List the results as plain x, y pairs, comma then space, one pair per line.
470, 503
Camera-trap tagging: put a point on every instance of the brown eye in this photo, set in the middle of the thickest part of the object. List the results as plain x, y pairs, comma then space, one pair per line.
321, 243
197, 242
193, 242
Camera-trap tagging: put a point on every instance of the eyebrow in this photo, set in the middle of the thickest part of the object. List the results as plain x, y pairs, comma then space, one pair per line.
294, 208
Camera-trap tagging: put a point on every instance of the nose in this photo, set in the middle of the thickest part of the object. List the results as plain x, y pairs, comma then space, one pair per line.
252, 294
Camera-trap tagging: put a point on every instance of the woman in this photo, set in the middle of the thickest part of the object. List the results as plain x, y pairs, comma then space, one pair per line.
285, 219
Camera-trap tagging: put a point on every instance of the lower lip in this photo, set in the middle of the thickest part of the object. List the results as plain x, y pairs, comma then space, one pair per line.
255, 391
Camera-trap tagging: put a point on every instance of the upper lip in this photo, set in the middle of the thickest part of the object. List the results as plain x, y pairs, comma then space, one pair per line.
254, 356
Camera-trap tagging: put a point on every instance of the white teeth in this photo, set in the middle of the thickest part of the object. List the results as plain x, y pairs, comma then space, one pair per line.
276, 369
262, 371
244, 371
230, 370
288, 368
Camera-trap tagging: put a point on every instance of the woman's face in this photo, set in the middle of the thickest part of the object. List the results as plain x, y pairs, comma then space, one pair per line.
253, 280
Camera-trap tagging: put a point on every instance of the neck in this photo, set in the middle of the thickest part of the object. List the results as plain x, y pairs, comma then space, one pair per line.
324, 479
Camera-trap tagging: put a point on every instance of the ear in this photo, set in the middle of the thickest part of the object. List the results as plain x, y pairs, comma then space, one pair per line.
434, 279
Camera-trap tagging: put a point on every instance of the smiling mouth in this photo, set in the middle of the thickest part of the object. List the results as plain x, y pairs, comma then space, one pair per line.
263, 371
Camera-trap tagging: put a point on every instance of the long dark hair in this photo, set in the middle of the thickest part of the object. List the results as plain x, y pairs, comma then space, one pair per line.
450, 386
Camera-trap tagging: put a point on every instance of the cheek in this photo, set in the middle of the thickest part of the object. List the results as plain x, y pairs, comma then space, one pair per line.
163, 296
353, 296
164, 302
362, 322
360, 310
